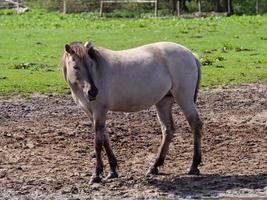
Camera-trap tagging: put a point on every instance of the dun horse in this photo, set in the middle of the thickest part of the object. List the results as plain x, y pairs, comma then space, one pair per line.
103, 80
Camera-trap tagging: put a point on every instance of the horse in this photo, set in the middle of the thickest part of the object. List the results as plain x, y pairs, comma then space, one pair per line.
132, 80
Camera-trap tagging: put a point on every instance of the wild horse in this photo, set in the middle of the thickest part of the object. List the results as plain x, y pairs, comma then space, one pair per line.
132, 80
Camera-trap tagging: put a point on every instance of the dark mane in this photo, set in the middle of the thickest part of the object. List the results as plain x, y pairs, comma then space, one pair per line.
78, 49
94, 54
81, 52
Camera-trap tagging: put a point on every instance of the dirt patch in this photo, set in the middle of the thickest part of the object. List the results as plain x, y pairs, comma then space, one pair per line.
46, 149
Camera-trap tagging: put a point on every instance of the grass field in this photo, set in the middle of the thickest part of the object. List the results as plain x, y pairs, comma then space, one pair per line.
233, 49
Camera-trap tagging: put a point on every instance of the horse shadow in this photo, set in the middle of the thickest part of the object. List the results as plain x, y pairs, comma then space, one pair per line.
209, 185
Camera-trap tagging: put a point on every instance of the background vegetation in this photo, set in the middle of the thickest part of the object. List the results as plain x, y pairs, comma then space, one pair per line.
238, 7
232, 50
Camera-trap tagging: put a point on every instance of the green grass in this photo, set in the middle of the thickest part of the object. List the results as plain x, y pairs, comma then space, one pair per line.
233, 49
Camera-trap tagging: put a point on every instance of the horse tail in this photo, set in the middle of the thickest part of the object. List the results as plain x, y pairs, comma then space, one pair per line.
198, 78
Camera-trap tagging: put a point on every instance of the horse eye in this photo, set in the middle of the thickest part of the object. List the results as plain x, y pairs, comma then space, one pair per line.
76, 67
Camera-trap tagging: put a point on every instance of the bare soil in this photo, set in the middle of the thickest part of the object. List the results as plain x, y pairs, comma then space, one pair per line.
47, 149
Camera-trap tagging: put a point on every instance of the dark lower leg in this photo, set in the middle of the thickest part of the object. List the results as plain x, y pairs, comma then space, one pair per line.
111, 158
99, 142
164, 108
99, 164
197, 126
167, 137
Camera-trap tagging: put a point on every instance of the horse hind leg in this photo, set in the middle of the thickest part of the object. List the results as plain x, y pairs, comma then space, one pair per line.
196, 126
185, 99
164, 113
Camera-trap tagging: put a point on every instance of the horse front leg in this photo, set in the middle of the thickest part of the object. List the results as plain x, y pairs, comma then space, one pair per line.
99, 126
111, 158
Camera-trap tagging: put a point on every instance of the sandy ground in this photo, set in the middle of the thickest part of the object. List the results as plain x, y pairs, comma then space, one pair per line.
46, 149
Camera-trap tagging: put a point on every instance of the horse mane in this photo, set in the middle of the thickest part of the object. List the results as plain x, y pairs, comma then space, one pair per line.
62, 61
80, 50
94, 54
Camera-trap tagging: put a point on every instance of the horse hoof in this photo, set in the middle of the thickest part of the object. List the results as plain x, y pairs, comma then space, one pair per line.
112, 175
152, 171
194, 171
94, 179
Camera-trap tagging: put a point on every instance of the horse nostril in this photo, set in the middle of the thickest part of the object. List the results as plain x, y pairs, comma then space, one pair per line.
91, 95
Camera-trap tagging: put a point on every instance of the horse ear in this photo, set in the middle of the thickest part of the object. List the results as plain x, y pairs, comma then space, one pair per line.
90, 49
68, 49
88, 45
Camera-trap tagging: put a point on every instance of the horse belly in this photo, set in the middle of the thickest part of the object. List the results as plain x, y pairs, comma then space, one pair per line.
136, 95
